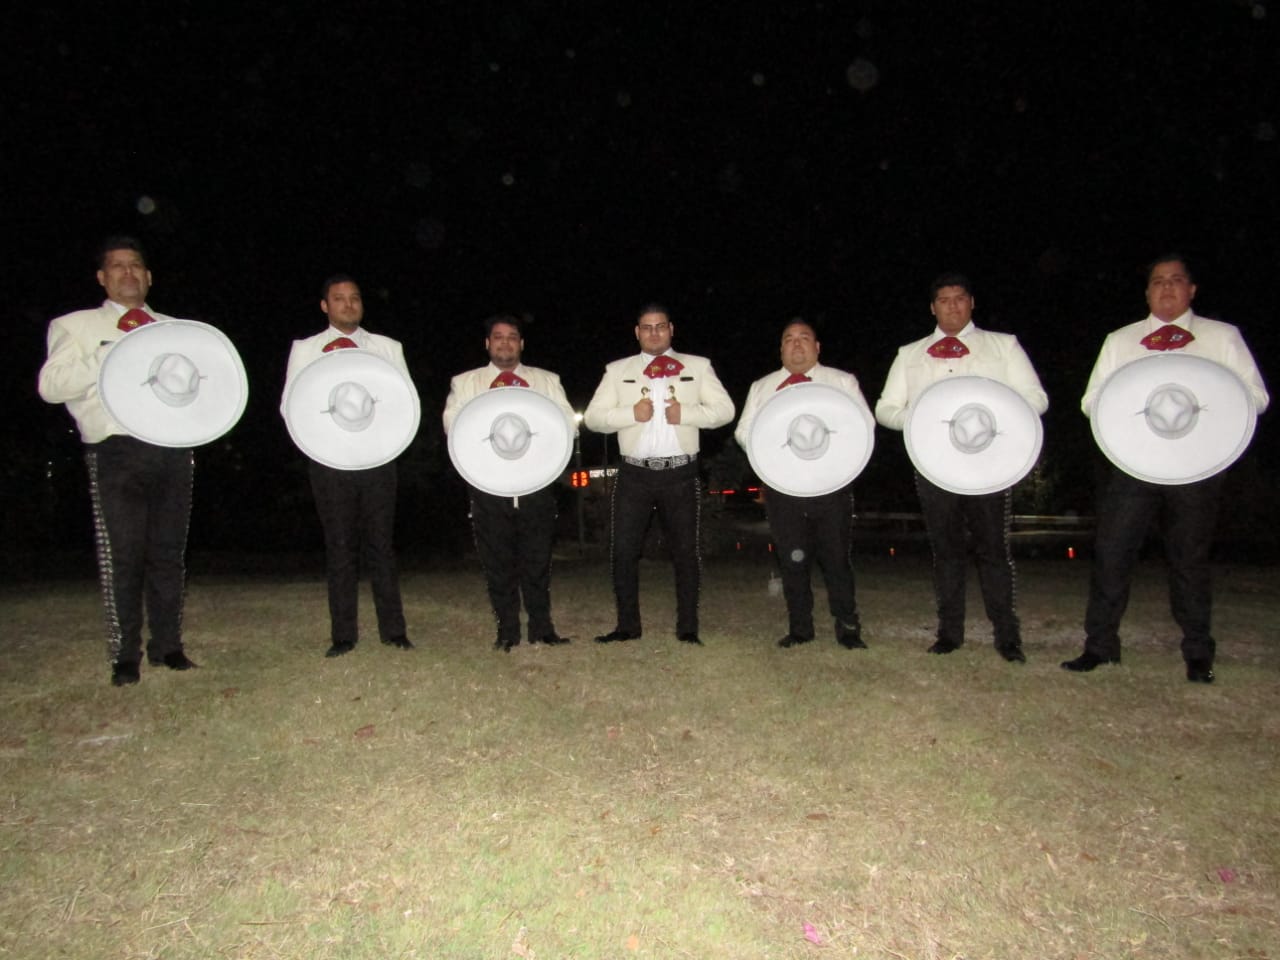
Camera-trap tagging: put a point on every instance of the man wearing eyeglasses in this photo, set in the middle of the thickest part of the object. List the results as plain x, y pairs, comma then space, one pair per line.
656, 402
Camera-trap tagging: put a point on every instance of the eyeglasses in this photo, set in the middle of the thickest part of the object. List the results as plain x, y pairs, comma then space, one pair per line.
654, 327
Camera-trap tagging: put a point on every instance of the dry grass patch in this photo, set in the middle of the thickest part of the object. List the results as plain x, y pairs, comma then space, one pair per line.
640, 799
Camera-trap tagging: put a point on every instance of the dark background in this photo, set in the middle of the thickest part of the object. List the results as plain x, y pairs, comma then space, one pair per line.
743, 163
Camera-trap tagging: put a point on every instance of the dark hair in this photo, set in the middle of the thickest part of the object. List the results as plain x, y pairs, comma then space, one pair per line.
949, 279
119, 242
653, 307
510, 319
799, 322
334, 280
1171, 257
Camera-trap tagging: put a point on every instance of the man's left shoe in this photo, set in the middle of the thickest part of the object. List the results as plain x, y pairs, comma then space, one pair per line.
1200, 671
174, 660
400, 643
689, 638
617, 635
793, 640
551, 639
124, 673
1011, 652
850, 637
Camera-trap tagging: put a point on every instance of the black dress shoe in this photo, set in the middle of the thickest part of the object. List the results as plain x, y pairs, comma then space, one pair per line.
945, 646
505, 645
174, 660
1200, 671
850, 639
1088, 661
552, 639
123, 674
338, 649
791, 640
614, 636
689, 638
400, 643
1012, 652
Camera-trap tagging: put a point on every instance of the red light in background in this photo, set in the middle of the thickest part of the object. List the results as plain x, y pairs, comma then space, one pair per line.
579, 479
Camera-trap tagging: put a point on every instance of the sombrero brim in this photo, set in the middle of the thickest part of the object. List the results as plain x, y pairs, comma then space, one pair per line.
220, 398
851, 436
1223, 424
397, 411
475, 458
1010, 455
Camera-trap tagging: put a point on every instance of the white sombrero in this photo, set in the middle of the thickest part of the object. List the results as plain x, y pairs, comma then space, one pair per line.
972, 435
352, 410
810, 439
174, 383
510, 441
1173, 418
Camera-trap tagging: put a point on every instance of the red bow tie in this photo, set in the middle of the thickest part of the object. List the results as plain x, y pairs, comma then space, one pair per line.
663, 367
794, 379
1169, 337
133, 319
508, 379
948, 348
341, 343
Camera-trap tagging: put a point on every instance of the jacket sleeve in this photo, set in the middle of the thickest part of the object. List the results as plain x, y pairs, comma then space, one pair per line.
891, 408
71, 370
555, 390
604, 415
714, 407
1023, 379
742, 432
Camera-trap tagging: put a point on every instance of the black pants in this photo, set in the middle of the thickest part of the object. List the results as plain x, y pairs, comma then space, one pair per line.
141, 497
957, 522
676, 496
806, 529
514, 539
1125, 514
357, 511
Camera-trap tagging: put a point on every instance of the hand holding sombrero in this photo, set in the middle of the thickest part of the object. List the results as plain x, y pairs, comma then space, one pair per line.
174, 383
972, 435
352, 410
510, 441
1173, 418
810, 439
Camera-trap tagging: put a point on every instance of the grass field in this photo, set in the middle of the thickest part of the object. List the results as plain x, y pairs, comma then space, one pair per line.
646, 799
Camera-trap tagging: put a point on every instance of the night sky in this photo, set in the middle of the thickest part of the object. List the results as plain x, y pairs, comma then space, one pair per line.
742, 163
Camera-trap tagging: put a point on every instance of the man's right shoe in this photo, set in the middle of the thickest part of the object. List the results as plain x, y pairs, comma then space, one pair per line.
174, 660
123, 674
1088, 661
1011, 652
1200, 671
791, 640
505, 645
614, 636
338, 649
944, 646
